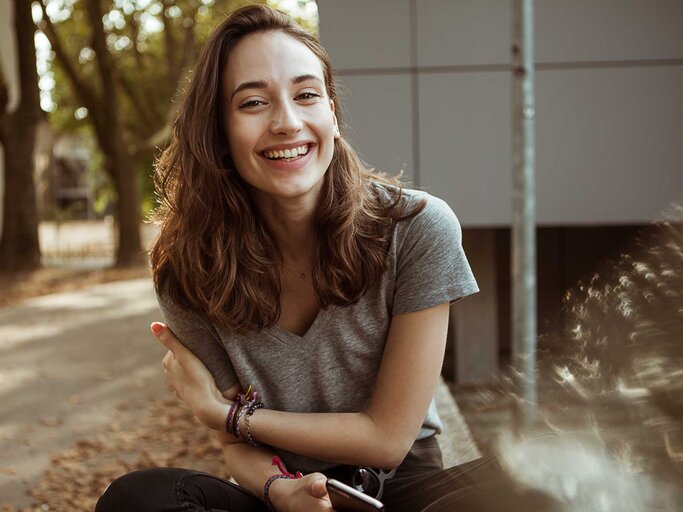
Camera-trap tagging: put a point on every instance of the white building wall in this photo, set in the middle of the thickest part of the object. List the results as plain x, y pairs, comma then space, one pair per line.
428, 89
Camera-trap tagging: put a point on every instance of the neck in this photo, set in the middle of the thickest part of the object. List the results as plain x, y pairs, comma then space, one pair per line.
291, 220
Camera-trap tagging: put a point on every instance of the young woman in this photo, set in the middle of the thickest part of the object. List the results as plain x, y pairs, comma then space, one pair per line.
285, 265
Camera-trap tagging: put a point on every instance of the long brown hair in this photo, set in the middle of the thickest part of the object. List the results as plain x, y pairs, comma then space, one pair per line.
214, 253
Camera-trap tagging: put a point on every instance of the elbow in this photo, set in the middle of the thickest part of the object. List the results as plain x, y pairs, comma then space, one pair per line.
392, 452
388, 445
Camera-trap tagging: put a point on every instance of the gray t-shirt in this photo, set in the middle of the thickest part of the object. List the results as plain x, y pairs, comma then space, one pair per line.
332, 368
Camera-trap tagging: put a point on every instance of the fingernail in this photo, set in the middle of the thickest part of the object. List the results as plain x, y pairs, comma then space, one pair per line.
157, 328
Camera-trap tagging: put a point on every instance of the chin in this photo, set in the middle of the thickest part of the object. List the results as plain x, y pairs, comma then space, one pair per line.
298, 188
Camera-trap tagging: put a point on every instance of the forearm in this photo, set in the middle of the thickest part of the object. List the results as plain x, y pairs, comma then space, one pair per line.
251, 468
357, 438
344, 438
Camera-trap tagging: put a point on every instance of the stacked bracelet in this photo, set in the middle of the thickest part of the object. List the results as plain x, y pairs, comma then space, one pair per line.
283, 474
250, 411
231, 416
243, 406
238, 420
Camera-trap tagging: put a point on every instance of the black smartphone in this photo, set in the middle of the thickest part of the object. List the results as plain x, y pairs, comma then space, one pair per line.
347, 499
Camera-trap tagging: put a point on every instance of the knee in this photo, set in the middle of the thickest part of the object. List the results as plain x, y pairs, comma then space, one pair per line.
145, 490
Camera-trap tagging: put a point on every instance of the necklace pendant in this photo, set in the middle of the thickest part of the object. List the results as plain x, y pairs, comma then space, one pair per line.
302, 275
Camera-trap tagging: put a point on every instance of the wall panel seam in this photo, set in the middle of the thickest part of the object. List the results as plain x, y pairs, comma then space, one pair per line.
478, 68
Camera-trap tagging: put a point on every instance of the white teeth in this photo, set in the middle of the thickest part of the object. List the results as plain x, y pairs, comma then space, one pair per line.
287, 153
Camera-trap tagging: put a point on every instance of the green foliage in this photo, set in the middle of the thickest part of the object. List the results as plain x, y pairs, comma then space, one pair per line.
145, 41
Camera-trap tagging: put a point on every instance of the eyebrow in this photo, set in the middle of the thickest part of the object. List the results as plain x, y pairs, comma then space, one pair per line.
262, 84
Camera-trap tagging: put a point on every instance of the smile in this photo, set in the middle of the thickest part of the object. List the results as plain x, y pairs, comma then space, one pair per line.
287, 154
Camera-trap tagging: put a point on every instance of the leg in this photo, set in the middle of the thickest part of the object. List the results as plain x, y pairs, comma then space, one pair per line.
502, 494
175, 490
477, 486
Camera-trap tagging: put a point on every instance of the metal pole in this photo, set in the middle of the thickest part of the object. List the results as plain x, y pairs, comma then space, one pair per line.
524, 209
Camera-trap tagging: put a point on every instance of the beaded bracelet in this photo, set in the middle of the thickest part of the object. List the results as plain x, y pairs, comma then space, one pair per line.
243, 404
238, 420
250, 411
231, 416
283, 474
266, 490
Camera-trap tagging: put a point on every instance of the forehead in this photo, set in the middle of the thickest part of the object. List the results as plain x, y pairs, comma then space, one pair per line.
269, 56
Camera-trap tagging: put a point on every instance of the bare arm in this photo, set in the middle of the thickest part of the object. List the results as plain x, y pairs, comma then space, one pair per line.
252, 467
381, 435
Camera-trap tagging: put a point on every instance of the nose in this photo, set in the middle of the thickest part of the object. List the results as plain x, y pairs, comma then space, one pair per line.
285, 119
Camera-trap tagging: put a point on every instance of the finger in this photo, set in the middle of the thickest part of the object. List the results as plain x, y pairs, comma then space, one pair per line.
167, 360
170, 388
166, 336
318, 489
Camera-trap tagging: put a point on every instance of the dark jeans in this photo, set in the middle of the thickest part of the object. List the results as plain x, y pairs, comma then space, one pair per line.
420, 485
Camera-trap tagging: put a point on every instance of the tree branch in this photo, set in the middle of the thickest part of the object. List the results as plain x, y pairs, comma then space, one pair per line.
188, 47
4, 101
87, 95
4, 91
147, 114
103, 58
135, 33
169, 38
26, 54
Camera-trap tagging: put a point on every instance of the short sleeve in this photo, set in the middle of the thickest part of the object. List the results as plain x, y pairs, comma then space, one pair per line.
197, 334
431, 266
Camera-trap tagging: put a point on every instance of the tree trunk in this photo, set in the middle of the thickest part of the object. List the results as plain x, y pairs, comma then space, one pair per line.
129, 195
19, 248
104, 114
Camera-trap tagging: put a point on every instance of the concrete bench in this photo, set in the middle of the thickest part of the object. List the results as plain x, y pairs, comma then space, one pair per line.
456, 440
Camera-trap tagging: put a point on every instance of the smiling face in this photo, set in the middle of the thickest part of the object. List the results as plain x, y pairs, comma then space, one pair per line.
279, 120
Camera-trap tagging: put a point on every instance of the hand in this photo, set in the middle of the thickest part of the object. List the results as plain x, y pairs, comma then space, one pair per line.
301, 495
187, 376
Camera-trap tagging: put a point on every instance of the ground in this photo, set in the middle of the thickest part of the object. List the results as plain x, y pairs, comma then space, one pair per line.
70, 422
20, 286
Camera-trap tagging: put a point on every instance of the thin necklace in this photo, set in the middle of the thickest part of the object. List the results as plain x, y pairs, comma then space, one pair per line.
302, 275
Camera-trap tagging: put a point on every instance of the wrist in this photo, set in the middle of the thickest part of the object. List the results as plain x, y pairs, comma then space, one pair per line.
278, 493
214, 415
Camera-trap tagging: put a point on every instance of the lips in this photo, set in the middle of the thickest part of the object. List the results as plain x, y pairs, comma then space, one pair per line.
286, 153
278, 159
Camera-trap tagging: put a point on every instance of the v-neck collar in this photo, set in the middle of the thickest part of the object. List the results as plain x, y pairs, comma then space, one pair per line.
310, 335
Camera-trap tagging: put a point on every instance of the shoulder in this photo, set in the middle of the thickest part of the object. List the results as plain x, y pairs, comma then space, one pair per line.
434, 206
173, 308
435, 216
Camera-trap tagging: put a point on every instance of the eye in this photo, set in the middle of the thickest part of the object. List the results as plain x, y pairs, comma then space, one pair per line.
251, 103
308, 95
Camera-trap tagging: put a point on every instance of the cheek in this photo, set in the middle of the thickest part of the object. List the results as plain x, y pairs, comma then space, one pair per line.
239, 140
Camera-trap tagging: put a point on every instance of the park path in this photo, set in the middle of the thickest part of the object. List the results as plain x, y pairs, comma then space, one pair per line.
72, 364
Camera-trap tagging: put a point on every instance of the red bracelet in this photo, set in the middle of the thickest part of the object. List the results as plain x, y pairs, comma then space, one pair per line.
281, 466
266, 490
283, 474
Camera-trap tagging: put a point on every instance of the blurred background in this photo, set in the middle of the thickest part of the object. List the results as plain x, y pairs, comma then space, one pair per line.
87, 92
